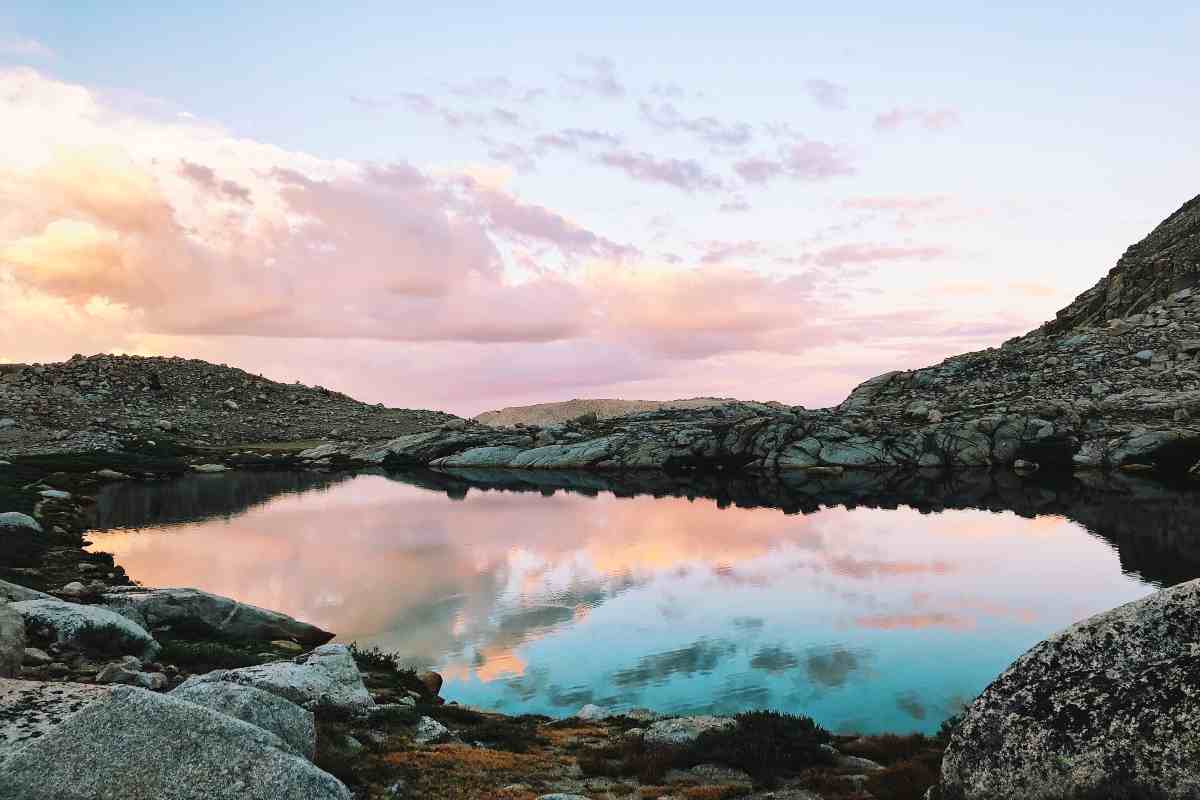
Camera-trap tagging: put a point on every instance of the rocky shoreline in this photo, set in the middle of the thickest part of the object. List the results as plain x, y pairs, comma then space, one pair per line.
374, 730
97, 654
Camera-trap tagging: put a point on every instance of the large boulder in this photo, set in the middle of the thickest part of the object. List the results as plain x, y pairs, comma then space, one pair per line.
196, 612
22, 540
15, 593
326, 678
12, 641
1113, 701
138, 745
270, 712
91, 628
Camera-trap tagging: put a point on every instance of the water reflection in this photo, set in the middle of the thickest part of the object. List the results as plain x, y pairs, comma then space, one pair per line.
544, 592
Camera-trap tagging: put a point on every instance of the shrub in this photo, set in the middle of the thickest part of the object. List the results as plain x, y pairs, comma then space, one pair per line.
763, 744
907, 780
200, 657
888, 748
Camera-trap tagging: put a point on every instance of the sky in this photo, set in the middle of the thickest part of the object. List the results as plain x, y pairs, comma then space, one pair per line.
468, 207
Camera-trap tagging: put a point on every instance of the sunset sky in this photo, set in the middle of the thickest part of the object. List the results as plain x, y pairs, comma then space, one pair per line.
473, 206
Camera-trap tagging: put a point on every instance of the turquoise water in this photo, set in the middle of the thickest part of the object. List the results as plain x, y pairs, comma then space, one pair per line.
868, 619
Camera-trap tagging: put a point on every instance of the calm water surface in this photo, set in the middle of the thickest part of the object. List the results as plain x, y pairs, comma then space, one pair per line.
867, 619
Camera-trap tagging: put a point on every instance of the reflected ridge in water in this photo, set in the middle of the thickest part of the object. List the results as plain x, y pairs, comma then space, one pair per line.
543, 591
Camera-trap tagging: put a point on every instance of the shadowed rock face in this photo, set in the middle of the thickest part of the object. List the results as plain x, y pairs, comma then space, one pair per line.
1154, 527
1165, 262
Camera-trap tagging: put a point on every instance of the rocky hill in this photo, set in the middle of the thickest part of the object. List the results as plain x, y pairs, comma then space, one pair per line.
1166, 261
558, 413
1112, 382
106, 401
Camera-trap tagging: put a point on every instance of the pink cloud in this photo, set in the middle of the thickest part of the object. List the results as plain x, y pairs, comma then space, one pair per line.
930, 120
826, 93
598, 76
686, 174
206, 178
852, 254
709, 130
803, 161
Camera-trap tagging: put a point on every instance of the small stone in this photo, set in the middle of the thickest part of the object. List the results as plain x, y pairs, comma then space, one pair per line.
231, 405
1144, 356
36, 658
73, 589
432, 681
430, 731
55, 494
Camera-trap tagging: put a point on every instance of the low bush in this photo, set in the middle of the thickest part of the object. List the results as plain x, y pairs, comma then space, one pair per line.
198, 657
764, 744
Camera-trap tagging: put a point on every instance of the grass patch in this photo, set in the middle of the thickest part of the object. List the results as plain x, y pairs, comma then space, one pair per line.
907, 780
385, 670
767, 745
888, 748
198, 657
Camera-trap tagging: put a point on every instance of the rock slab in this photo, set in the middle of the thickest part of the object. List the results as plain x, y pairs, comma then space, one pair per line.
211, 615
138, 745
1113, 701
326, 678
12, 641
285, 719
88, 627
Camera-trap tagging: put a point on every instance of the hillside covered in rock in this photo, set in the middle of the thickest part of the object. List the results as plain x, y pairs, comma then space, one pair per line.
1112, 382
106, 402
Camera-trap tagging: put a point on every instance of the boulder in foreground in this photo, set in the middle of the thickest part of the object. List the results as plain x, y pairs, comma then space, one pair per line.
270, 712
138, 745
88, 627
1112, 704
326, 678
205, 614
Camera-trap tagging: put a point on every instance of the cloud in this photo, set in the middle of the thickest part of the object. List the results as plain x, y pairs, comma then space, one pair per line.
832, 667
206, 178
774, 660
930, 120
121, 231
24, 47
426, 105
803, 161
709, 130
686, 174
700, 657
598, 77
826, 93
720, 252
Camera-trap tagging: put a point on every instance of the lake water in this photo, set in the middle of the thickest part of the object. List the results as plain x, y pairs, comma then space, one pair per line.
531, 598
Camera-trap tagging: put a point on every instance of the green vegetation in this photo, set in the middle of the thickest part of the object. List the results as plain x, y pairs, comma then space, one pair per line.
767, 745
205, 656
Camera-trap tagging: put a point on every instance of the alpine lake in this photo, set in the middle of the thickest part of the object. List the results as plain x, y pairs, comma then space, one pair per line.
871, 602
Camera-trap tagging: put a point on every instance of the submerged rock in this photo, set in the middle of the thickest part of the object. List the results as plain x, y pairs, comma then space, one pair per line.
134, 744
88, 627
206, 614
1113, 701
325, 678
